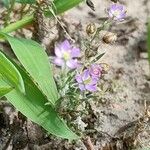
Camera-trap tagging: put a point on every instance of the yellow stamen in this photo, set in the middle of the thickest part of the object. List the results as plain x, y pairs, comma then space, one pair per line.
66, 55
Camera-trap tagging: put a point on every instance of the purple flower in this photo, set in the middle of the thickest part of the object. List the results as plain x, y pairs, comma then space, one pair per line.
86, 81
117, 12
66, 54
95, 71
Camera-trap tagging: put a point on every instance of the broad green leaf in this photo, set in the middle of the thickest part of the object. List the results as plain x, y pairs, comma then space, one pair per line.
6, 3
4, 87
34, 59
59, 6
32, 105
63, 5
10, 74
148, 41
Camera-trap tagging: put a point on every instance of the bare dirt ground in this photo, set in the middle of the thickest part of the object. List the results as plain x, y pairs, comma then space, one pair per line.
118, 120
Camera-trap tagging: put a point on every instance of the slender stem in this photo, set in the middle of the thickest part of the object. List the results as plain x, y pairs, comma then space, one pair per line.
19, 24
12, 3
61, 6
104, 25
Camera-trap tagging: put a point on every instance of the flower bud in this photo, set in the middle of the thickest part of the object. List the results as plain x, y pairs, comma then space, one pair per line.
90, 29
109, 38
105, 67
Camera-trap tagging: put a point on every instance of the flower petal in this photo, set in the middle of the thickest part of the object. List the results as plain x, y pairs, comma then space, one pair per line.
110, 13
72, 63
113, 7
117, 12
75, 52
95, 70
120, 7
78, 78
65, 45
82, 87
85, 74
91, 87
122, 16
94, 80
58, 61
58, 52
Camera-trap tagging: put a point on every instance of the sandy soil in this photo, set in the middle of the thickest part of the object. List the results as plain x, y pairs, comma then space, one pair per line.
126, 93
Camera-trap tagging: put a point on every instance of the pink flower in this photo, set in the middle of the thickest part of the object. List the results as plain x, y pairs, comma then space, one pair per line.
95, 70
66, 54
86, 81
117, 12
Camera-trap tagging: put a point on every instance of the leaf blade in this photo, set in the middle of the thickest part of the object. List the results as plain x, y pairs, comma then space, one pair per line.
4, 87
10, 74
62, 6
32, 105
26, 1
34, 59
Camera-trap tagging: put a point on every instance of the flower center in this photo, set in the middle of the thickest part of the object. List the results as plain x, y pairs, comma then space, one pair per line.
96, 71
66, 56
87, 81
116, 13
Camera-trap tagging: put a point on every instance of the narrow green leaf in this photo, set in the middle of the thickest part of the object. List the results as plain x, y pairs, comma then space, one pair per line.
59, 7
10, 74
17, 25
4, 87
26, 1
99, 56
32, 105
34, 59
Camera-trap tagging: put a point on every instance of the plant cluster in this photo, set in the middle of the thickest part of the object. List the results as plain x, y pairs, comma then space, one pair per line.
29, 83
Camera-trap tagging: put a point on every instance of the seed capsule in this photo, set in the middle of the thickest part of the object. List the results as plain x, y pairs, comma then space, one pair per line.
90, 4
109, 38
90, 29
105, 67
